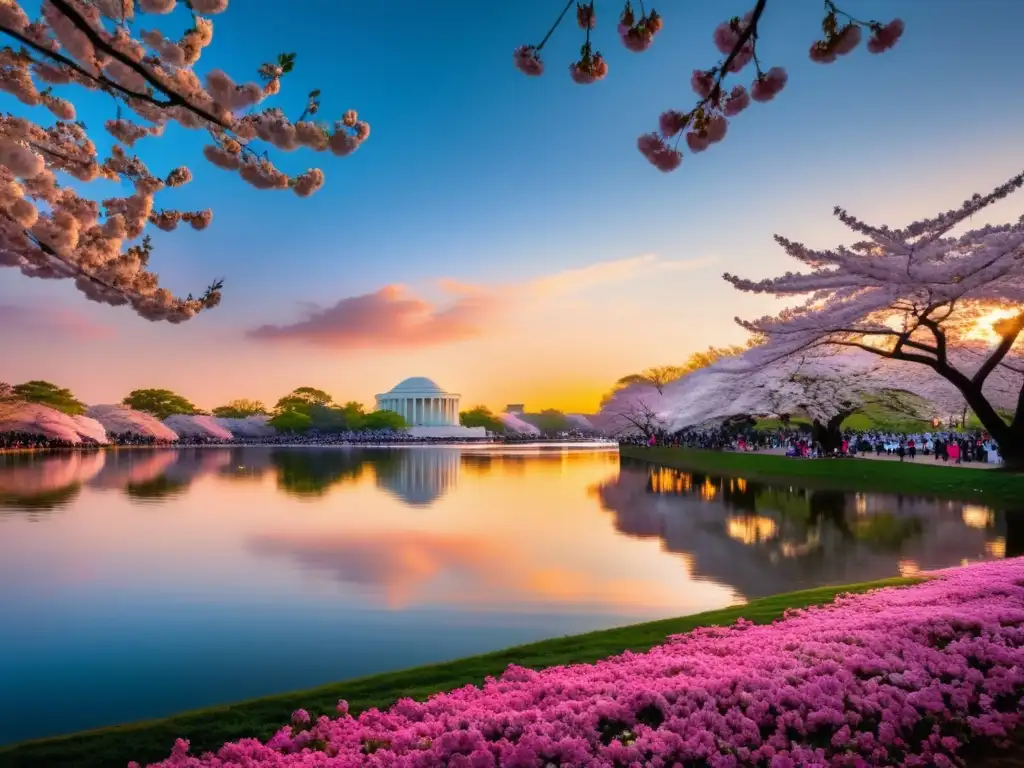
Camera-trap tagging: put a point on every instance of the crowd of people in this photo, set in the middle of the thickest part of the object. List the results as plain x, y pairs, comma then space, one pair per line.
947, 446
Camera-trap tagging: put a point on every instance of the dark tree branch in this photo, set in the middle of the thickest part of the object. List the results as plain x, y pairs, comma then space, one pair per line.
1007, 342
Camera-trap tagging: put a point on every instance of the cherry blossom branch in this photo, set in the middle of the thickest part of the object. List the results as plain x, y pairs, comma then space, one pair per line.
174, 98
1009, 338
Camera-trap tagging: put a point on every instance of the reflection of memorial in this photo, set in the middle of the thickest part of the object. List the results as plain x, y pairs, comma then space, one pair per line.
420, 476
763, 540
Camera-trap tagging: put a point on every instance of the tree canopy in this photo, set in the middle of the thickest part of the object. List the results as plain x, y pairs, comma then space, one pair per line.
659, 376
240, 409
50, 395
384, 420
301, 399
919, 296
159, 402
481, 416
549, 421
291, 421
53, 230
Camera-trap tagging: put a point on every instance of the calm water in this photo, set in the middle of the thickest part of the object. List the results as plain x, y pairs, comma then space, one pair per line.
138, 583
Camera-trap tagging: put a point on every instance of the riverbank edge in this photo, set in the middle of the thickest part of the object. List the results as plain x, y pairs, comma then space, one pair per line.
210, 727
996, 487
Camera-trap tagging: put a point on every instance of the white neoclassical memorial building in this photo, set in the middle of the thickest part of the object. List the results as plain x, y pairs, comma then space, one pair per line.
428, 409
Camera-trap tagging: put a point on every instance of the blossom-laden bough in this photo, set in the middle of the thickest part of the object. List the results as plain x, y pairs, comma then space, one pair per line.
34, 419
947, 307
915, 676
49, 230
197, 425
122, 420
736, 39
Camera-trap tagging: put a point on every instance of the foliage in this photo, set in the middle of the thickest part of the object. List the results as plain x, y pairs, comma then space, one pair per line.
50, 395
301, 399
159, 402
44, 421
481, 416
919, 296
50, 229
240, 409
659, 376
384, 420
260, 718
549, 421
736, 39
291, 421
858, 679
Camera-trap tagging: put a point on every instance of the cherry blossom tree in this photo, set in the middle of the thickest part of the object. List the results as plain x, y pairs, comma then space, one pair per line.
636, 408
920, 296
827, 388
47, 228
121, 420
736, 39
197, 425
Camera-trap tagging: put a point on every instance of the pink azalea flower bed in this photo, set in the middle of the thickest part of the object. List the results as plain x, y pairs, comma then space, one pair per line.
907, 676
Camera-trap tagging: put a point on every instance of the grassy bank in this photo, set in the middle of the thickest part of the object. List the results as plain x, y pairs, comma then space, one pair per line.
921, 478
207, 729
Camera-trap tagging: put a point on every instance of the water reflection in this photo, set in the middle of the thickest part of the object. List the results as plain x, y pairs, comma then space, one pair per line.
763, 539
38, 483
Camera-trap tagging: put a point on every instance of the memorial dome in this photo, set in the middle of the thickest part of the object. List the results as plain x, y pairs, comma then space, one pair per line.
419, 385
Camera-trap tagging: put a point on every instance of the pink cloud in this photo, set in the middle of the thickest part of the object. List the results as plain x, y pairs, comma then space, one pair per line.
390, 317
51, 321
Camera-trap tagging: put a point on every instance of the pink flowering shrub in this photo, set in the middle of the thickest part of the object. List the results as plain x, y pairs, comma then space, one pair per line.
736, 39
896, 677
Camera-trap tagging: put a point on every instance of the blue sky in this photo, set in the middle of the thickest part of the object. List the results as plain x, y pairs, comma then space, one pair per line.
479, 174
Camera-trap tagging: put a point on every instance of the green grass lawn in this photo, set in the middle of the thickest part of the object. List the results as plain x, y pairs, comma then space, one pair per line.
207, 729
919, 478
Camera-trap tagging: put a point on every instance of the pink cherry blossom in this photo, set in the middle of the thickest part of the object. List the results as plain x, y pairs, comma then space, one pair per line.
848, 38
822, 53
769, 85
671, 122
702, 82
658, 153
715, 129
725, 38
737, 100
696, 141
527, 61
884, 38
585, 17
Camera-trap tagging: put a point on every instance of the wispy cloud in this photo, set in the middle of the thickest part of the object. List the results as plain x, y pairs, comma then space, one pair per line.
390, 317
395, 317
45, 321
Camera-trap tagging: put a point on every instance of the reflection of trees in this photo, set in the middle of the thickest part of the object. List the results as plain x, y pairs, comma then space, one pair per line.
312, 472
36, 483
762, 539
162, 487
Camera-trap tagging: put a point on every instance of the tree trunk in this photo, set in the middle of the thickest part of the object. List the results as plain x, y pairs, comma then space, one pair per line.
1015, 533
829, 434
1009, 437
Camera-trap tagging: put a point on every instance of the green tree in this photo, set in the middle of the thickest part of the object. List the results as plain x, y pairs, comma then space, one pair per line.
50, 395
481, 416
326, 418
291, 421
548, 421
384, 420
240, 409
301, 399
159, 402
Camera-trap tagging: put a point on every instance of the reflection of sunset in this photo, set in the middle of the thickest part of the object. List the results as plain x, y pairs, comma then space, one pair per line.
751, 529
909, 569
708, 490
978, 517
996, 547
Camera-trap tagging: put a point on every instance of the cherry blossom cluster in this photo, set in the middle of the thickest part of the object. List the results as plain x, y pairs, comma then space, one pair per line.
901, 676
916, 295
635, 31
103, 420
707, 122
48, 230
